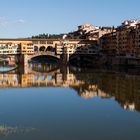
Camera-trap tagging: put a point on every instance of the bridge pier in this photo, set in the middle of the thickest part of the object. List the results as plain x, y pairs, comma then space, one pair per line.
26, 63
23, 62
66, 55
64, 59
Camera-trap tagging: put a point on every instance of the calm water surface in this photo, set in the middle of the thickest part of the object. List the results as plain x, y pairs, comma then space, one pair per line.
47, 103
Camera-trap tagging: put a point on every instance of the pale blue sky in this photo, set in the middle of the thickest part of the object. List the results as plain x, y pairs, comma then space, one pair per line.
23, 18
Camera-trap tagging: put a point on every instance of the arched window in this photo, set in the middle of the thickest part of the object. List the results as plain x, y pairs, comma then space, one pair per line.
42, 49
36, 48
50, 48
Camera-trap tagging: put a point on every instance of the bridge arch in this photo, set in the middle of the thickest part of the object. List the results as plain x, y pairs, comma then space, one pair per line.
44, 57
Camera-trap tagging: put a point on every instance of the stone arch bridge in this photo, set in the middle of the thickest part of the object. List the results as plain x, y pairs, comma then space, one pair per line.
26, 49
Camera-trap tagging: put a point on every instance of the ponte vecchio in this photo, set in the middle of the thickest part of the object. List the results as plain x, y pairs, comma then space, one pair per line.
23, 50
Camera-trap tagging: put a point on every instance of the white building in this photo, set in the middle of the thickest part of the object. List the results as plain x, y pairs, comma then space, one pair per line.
130, 23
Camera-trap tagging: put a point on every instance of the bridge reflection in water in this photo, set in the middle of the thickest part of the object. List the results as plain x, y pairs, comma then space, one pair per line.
88, 84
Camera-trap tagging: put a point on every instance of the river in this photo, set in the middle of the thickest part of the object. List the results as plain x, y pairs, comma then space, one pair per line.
47, 102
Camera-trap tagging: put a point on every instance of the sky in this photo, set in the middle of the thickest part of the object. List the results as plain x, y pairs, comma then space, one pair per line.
24, 18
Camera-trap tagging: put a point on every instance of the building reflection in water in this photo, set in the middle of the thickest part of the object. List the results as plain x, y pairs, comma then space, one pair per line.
88, 84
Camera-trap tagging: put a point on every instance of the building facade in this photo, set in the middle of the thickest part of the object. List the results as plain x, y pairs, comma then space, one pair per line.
137, 40
108, 43
124, 40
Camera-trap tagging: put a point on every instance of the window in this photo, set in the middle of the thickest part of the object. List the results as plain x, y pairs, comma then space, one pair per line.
35, 42
50, 42
43, 42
